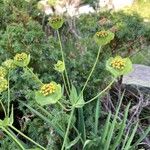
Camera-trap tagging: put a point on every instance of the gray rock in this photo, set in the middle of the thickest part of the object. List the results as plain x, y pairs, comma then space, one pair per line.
140, 76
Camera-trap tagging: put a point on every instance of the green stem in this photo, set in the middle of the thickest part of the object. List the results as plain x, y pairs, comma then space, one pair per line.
27, 137
3, 108
100, 93
67, 131
92, 70
63, 106
63, 59
65, 84
8, 96
34, 75
14, 138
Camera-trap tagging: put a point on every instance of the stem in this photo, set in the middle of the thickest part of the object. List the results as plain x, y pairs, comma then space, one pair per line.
27, 137
3, 108
14, 138
63, 106
8, 96
100, 93
34, 75
68, 127
65, 84
91, 70
62, 54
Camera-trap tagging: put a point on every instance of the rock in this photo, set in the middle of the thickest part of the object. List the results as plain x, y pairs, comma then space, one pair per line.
139, 77
115, 4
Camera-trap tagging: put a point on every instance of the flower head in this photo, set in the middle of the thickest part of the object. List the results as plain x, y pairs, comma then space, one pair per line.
118, 63
3, 85
22, 59
9, 64
59, 66
3, 72
56, 22
119, 66
103, 37
48, 94
47, 89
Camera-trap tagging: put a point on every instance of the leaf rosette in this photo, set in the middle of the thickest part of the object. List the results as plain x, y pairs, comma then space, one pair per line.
56, 22
22, 59
103, 37
48, 94
118, 66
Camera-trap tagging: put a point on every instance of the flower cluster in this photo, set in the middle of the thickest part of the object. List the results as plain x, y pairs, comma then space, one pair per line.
3, 72
59, 66
103, 37
3, 85
101, 34
118, 66
47, 89
22, 59
118, 63
9, 64
56, 22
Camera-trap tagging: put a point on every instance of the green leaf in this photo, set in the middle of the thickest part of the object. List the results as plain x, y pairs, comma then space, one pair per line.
112, 127
49, 99
97, 115
11, 116
56, 128
73, 95
76, 101
127, 146
72, 143
123, 125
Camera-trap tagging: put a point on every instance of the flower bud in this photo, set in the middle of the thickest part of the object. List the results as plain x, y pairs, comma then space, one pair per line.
60, 66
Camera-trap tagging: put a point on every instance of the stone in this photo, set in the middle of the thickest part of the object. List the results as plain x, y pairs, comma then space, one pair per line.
139, 77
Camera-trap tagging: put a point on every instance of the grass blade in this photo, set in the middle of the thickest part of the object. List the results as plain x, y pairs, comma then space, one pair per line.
81, 124
106, 128
110, 134
141, 138
123, 125
97, 115
57, 129
127, 146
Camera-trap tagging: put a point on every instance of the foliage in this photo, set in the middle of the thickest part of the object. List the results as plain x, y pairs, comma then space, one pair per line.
64, 120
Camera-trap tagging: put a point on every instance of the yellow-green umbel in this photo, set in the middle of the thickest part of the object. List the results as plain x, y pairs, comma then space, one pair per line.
3, 84
21, 59
103, 37
56, 22
52, 2
119, 66
9, 64
59, 66
3, 72
49, 93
